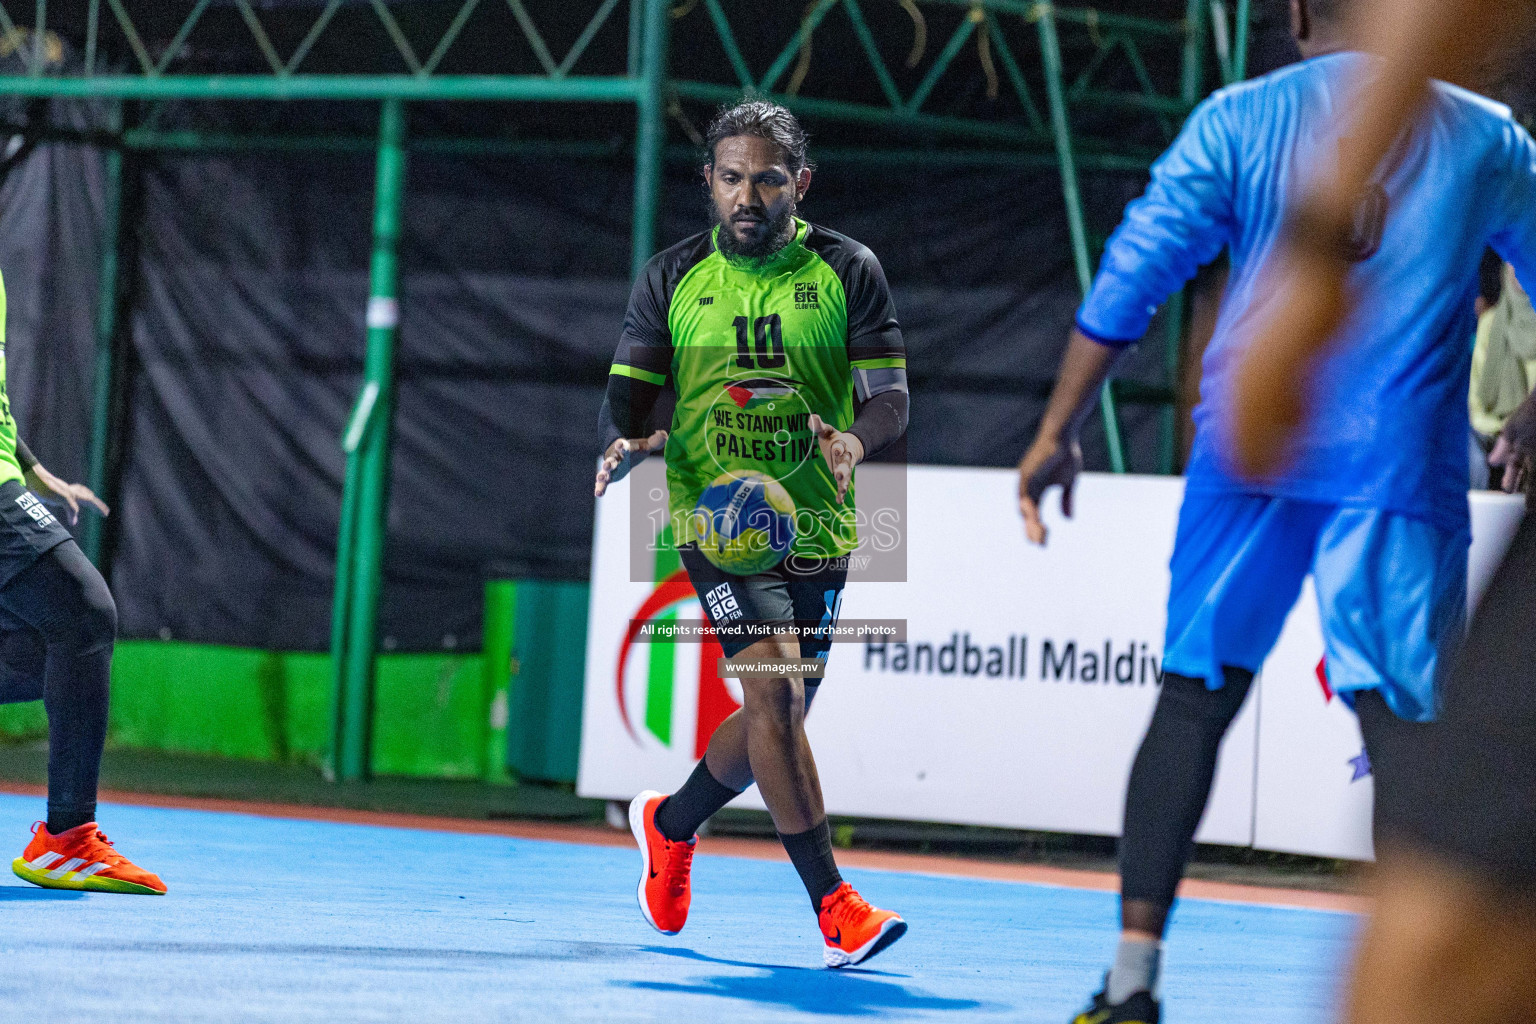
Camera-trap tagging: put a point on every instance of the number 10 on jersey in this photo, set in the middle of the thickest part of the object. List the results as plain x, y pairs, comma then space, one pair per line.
768, 332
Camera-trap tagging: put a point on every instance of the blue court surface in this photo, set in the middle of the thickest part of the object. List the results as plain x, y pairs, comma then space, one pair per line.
280, 920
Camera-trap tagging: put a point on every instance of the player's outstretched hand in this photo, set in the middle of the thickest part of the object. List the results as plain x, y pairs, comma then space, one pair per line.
1515, 450
72, 495
1048, 462
625, 454
842, 451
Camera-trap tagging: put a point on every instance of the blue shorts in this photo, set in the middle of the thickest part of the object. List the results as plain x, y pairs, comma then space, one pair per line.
1391, 592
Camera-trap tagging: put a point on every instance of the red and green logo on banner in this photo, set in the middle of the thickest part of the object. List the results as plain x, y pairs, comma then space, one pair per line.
665, 670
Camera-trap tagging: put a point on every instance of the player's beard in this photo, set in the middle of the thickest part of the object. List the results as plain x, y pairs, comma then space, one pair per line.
780, 231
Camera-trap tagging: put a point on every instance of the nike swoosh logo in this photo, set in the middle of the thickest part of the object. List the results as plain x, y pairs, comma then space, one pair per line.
836, 938
653, 872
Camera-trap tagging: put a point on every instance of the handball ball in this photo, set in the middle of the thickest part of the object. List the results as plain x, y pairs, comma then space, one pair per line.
745, 522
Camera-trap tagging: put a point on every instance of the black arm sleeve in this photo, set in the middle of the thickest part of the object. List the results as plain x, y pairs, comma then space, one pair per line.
880, 421
24, 455
643, 359
876, 352
626, 408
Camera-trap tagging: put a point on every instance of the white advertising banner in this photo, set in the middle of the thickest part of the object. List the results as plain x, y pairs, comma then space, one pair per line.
1018, 700
1022, 690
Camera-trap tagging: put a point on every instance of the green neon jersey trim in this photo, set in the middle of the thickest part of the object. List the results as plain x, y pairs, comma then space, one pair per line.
638, 374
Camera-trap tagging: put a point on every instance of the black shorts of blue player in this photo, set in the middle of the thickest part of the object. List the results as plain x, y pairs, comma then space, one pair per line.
803, 592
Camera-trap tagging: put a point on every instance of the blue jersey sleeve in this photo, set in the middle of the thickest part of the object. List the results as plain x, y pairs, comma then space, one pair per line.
1179, 224
1514, 236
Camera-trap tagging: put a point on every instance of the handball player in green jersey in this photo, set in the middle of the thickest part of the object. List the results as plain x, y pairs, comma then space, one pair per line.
57, 627
781, 342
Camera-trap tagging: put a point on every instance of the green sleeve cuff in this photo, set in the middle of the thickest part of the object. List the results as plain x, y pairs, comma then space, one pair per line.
889, 363
638, 374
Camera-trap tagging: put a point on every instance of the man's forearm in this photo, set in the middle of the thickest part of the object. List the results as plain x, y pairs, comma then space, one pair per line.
627, 407
880, 421
1084, 369
1520, 427
24, 455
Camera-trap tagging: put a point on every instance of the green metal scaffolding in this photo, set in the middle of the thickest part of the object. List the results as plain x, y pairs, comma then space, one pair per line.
906, 130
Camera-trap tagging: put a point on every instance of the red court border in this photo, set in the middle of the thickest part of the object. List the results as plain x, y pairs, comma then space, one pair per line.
731, 846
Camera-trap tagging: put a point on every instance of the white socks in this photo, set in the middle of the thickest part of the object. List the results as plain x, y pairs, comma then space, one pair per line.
1137, 964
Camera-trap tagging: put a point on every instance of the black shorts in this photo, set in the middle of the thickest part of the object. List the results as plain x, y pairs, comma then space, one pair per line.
1471, 795
28, 529
802, 591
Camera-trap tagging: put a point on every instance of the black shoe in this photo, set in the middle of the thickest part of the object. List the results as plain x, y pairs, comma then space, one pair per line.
1140, 1008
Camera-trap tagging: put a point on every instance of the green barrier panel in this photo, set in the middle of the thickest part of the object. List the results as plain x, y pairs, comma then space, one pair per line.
496, 658
429, 716
455, 715
308, 688
200, 699
23, 721
544, 726
275, 706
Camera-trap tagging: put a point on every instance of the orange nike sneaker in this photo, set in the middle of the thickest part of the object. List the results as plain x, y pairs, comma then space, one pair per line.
81, 858
664, 888
854, 930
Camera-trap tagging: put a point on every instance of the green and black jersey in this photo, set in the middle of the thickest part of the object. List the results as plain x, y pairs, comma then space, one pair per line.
10, 465
753, 348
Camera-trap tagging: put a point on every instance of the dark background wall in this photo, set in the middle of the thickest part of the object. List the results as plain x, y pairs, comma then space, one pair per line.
243, 339
246, 338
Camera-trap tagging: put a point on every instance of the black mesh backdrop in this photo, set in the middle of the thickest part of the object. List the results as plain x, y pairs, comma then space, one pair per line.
245, 341
247, 336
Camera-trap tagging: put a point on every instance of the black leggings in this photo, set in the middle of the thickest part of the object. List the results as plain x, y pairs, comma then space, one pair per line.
57, 627
1171, 783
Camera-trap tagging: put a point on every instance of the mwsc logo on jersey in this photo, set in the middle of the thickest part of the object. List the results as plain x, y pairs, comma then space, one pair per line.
670, 693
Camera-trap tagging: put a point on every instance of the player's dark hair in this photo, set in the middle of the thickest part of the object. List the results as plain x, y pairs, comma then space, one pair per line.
764, 120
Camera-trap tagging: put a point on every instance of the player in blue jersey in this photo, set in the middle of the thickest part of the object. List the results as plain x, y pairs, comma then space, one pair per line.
1373, 502
1452, 934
